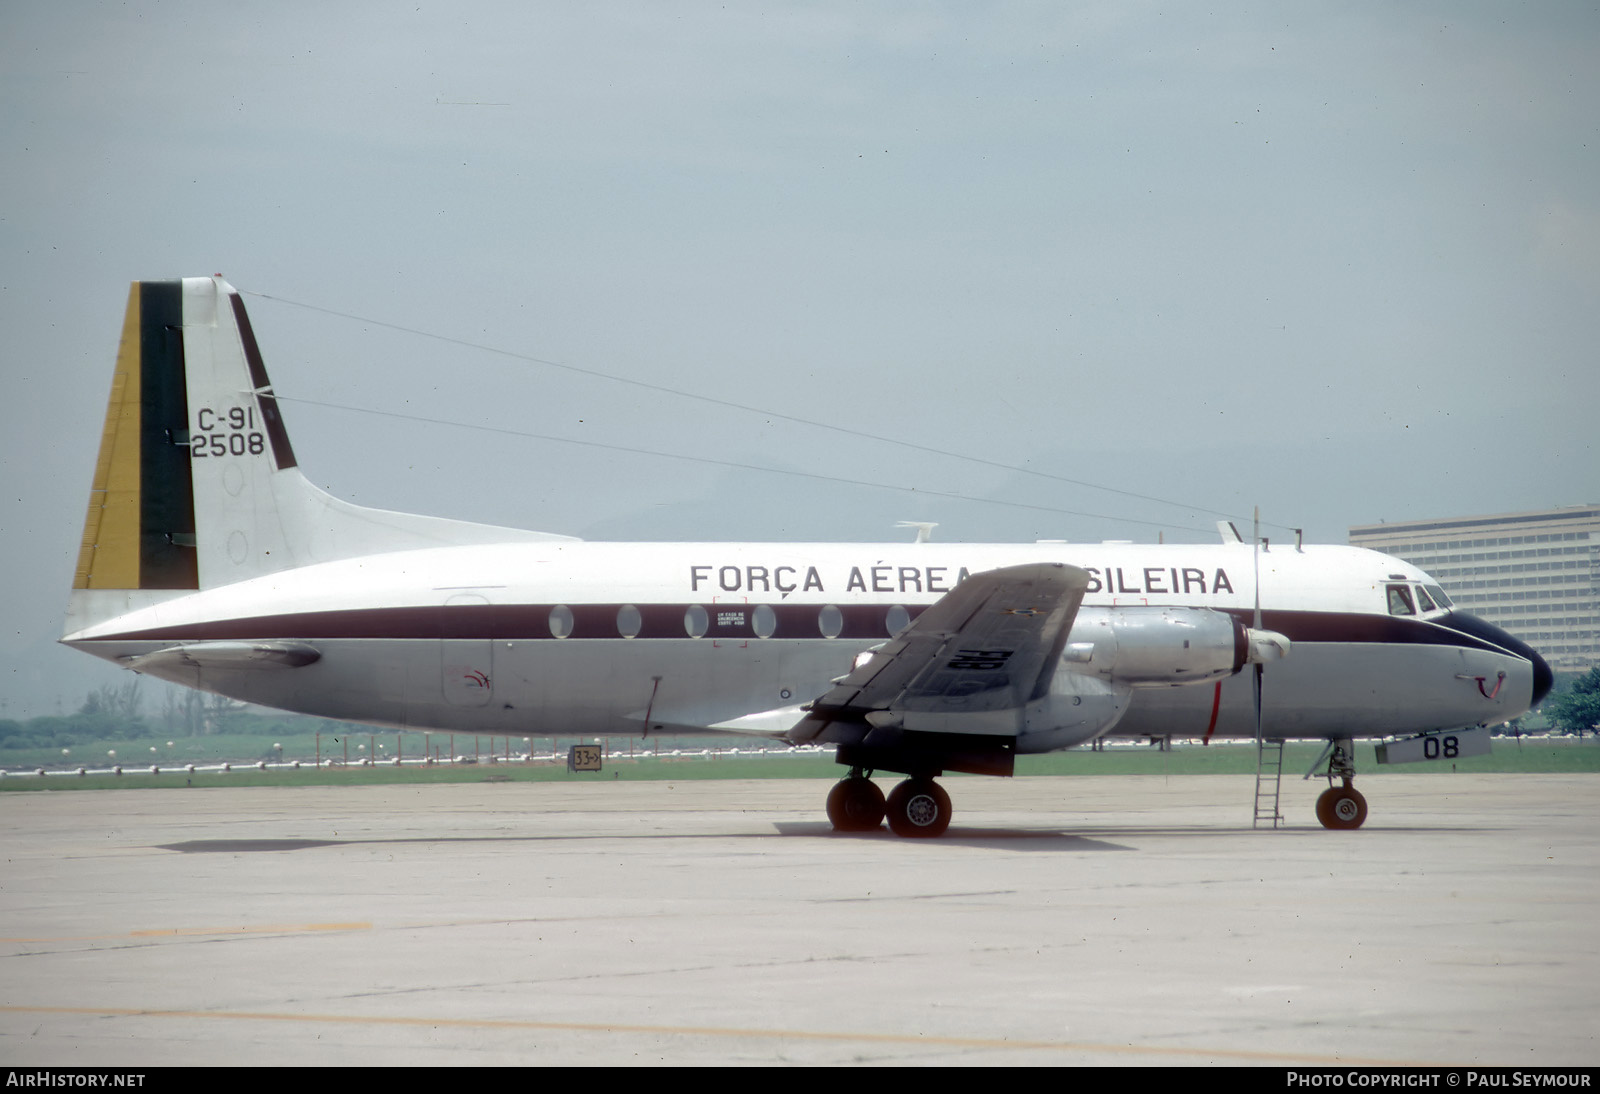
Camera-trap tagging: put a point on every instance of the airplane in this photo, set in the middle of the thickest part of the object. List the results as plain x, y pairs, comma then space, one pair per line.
209, 560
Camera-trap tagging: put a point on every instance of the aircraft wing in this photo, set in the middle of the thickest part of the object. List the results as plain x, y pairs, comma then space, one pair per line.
969, 664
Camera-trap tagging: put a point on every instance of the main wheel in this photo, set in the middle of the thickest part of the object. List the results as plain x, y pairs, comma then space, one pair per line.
1341, 807
855, 805
919, 807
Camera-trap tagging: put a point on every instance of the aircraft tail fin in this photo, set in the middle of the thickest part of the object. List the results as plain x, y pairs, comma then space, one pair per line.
139, 531
196, 484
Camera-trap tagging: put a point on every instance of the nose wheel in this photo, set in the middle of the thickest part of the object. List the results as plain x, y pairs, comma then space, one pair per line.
1341, 807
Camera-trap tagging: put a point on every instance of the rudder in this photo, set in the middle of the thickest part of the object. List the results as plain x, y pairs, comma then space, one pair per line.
139, 530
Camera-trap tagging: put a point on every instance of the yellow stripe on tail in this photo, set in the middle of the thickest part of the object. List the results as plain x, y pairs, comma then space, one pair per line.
109, 557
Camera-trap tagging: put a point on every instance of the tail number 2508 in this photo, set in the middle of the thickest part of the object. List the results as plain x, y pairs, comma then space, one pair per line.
230, 432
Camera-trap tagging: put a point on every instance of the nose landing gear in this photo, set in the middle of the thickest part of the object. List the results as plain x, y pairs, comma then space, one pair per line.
1342, 806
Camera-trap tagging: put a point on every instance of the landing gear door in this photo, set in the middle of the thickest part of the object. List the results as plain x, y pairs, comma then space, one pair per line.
466, 653
1456, 744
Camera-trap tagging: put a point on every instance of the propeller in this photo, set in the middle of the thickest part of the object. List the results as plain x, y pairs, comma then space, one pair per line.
1265, 645
1255, 559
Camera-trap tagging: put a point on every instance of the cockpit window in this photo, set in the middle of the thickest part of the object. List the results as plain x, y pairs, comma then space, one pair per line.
1438, 595
1424, 601
1400, 600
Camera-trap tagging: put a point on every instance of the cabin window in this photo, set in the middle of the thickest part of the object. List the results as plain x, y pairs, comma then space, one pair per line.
696, 621
1400, 600
629, 621
560, 621
764, 621
897, 620
830, 621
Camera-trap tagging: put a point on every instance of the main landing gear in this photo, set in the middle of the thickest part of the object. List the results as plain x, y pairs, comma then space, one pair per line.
1341, 806
855, 804
917, 807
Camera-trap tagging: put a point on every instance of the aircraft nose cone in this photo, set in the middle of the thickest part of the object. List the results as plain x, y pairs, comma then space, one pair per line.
1543, 679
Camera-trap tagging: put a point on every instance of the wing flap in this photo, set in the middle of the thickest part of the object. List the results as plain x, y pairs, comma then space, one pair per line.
763, 723
970, 663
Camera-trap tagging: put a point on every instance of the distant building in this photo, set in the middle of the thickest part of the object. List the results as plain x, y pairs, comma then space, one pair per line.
1535, 574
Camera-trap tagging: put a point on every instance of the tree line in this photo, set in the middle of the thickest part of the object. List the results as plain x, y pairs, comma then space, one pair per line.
119, 711
1575, 709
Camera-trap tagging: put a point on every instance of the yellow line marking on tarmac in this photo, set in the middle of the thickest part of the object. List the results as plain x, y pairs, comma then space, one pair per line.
185, 932
729, 1031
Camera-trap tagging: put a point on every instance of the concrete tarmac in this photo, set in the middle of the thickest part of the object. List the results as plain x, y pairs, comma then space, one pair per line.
1104, 920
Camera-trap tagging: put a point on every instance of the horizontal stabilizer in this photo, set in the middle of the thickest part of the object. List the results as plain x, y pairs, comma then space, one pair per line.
228, 655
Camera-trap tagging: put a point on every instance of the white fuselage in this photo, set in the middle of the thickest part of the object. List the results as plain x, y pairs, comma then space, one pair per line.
575, 638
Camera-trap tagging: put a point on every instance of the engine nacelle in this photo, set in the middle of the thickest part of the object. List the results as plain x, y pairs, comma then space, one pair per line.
1077, 709
1157, 647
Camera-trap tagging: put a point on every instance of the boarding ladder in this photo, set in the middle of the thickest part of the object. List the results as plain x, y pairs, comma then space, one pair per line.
1269, 774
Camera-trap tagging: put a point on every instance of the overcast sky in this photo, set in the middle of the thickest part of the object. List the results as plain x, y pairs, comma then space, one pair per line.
1341, 261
